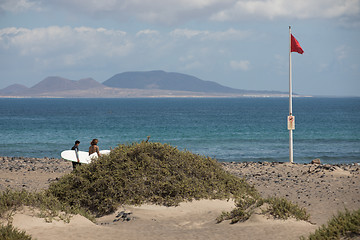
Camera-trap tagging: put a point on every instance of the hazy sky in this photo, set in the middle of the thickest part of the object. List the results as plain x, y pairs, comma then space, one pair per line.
237, 43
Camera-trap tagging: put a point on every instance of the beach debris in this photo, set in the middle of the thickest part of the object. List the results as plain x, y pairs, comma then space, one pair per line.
316, 161
123, 216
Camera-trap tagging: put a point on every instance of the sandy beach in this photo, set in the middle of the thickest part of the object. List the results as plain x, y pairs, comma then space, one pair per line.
322, 189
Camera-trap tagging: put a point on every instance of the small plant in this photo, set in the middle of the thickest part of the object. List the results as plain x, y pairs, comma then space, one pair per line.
236, 215
346, 225
277, 207
49, 206
8, 232
245, 205
283, 209
10, 200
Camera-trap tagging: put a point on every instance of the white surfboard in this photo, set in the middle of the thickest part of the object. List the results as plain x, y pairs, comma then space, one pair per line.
95, 155
70, 155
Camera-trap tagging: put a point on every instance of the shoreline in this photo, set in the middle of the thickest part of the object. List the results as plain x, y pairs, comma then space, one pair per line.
323, 190
260, 160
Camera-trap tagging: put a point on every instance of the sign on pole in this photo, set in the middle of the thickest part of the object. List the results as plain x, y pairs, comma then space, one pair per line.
291, 122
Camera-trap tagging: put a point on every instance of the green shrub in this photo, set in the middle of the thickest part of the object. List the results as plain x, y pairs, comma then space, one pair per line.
244, 208
277, 207
345, 225
147, 173
8, 232
236, 215
49, 206
283, 209
10, 200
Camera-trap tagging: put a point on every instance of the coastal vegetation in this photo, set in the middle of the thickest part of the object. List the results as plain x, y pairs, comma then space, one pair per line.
278, 208
48, 206
9, 232
155, 173
147, 173
136, 173
346, 225
45, 205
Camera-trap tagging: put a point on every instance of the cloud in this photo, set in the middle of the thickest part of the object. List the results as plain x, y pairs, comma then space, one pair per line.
65, 42
74, 45
170, 12
18, 5
341, 52
189, 62
188, 33
152, 11
147, 32
243, 65
230, 34
273, 9
62, 49
65, 47
322, 67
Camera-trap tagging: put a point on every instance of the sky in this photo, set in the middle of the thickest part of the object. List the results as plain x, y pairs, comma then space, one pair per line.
241, 44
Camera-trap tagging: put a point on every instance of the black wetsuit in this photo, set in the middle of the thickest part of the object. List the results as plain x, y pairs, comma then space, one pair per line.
75, 164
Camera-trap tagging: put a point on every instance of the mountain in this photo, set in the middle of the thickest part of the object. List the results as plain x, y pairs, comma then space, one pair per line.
132, 85
166, 81
56, 84
13, 89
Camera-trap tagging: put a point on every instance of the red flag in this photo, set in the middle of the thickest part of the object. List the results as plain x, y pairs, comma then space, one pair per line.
295, 45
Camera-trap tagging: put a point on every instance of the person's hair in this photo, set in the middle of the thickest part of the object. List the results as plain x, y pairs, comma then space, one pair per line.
94, 141
77, 142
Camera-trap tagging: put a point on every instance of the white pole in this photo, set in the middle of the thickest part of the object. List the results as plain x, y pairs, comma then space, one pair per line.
291, 155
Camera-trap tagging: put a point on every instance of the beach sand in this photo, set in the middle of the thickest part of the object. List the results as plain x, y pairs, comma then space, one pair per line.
322, 189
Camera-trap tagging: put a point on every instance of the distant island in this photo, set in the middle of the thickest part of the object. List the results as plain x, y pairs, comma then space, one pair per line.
131, 85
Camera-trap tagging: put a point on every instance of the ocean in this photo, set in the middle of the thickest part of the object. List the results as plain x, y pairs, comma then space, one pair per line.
228, 129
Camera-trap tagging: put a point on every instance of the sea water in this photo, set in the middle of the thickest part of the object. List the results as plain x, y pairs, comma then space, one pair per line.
228, 129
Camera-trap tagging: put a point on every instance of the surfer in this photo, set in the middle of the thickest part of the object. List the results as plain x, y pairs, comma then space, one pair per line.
94, 147
76, 148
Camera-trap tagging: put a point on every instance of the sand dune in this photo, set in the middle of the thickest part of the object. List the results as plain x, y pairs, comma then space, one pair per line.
191, 220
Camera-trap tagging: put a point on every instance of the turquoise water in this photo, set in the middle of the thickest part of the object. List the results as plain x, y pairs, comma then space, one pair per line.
238, 129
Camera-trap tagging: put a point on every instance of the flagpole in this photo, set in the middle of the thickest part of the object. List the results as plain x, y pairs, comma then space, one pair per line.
291, 155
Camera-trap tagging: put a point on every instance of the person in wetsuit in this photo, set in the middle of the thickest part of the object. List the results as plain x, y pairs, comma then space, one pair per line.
76, 148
